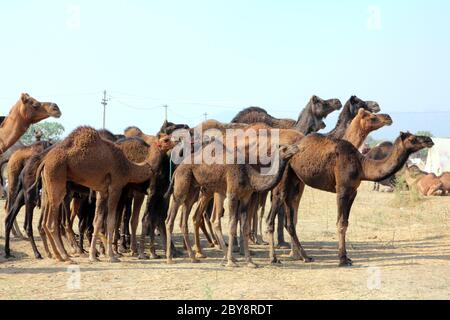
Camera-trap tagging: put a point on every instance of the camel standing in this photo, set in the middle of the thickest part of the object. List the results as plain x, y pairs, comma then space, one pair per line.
291, 189
88, 160
236, 182
24, 113
337, 166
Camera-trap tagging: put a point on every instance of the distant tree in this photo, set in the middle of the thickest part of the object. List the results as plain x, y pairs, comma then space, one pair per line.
50, 131
424, 133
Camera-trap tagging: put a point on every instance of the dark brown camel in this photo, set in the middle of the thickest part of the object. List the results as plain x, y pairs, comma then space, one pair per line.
336, 166
88, 160
24, 113
310, 119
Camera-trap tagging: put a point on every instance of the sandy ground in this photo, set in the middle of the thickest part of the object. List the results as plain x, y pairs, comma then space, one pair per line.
400, 249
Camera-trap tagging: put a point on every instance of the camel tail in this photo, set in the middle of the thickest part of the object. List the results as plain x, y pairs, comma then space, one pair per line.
37, 183
169, 190
2, 182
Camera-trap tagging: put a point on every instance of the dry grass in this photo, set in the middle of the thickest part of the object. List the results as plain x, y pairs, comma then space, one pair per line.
403, 243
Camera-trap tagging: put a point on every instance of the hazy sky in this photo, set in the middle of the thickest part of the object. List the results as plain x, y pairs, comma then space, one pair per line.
219, 56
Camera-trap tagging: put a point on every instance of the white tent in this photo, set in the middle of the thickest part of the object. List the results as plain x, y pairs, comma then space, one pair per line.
438, 160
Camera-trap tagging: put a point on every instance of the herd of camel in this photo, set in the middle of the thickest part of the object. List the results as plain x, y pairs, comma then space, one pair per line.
103, 179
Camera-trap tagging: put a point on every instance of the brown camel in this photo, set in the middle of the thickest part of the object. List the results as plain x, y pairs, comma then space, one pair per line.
310, 119
428, 184
136, 132
88, 160
24, 113
380, 152
445, 179
359, 129
236, 182
337, 166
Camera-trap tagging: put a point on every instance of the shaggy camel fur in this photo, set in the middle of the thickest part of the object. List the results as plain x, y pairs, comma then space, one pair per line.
24, 113
237, 182
310, 119
338, 167
428, 184
88, 160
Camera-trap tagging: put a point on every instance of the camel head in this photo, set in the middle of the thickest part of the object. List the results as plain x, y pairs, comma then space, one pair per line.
288, 151
322, 108
35, 111
371, 122
165, 142
169, 127
414, 143
356, 104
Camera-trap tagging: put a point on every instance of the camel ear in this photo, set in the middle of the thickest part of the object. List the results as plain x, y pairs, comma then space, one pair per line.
361, 112
25, 97
314, 99
353, 99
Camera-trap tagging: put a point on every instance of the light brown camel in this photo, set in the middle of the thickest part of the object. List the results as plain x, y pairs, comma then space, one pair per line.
24, 113
428, 184
235, 181
445, 179
88, 160
337, 166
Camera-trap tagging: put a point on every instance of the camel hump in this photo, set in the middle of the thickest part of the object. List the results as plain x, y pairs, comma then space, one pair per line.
246, 112
83, 137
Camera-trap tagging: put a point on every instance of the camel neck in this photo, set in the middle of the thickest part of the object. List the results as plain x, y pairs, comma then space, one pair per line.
355, 134
305, 121
342, 124
12, 128
378, 170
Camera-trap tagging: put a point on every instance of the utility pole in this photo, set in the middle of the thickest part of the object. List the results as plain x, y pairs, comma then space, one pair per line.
206, 116
165, 107
104, 103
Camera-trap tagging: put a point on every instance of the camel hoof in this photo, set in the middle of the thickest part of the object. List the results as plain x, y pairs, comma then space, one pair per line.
143, 257
113, 260
70, 262
308, 259
275, 262
252, 265
345, 262
295, 255
9, 256
283, 245
134, 254
94, 259
231, 264
194, 260
170, 261
38, 257
212, 245
200, 255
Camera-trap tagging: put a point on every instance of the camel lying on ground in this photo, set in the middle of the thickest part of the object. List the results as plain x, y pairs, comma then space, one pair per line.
428, 184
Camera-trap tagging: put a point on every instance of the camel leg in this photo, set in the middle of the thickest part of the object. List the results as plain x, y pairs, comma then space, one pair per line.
209, 232
113, 199
47, 230
170, 221
98, 224
68, 226
291, 208
9, 221
137, 205
271, 230
260, 238
216, 219
186, 209
198, 222
43, 235
29, 208
345, 199
245, 215
233, 207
